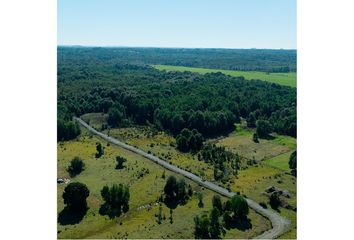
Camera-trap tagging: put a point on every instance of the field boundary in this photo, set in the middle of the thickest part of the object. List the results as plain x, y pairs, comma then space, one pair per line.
280, 225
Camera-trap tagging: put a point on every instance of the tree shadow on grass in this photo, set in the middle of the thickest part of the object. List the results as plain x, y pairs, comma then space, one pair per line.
268, 137
241, 224
105, 209
173, 203
70, 216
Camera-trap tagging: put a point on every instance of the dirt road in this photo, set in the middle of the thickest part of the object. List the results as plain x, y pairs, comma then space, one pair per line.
279, 224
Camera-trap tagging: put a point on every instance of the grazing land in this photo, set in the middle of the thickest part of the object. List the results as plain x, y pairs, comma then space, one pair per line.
286, 79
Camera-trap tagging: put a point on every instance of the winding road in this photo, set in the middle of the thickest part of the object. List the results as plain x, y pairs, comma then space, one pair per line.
280, 225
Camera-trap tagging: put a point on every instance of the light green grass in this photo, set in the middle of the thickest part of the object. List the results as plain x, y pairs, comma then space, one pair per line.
281, 161
96, 120
286, 79
241, 142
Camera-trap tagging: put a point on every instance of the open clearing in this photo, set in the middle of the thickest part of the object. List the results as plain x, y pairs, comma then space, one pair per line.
144, 190
286, 79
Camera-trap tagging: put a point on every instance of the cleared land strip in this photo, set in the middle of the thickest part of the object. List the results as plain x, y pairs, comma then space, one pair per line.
280, 225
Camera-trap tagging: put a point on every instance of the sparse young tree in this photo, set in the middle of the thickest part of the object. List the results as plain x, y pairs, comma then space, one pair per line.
159, 215
99, 150
200, 199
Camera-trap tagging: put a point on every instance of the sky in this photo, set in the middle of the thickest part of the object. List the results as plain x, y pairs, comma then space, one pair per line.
267, 24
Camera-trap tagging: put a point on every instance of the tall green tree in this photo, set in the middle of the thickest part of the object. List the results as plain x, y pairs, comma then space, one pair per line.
239, 206
75, 195
216, 202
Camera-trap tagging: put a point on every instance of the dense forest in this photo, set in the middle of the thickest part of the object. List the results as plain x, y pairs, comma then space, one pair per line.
265, 60
106, 80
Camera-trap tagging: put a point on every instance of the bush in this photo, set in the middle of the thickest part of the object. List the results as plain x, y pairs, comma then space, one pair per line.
120, 161
99, 150
76, 166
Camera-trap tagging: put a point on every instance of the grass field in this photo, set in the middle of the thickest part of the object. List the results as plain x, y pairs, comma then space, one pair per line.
286, 79
136, 223
280, 161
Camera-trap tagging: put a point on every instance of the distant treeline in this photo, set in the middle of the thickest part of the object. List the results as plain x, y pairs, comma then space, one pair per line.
171, 101
264, 60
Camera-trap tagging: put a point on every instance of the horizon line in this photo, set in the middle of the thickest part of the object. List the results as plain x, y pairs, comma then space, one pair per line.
124, 46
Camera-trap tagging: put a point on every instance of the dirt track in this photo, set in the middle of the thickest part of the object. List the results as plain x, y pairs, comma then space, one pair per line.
279, 224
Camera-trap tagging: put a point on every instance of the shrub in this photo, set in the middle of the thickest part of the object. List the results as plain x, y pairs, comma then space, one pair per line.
274, 200
120, 161
76, 166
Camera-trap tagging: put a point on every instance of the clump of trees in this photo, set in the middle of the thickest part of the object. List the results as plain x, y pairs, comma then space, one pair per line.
233, 212
75, 195
67, 130
99, 150
120, 161
189, 140
176, 190
219, 157
76, 166
263, 128
292, 163
116, 200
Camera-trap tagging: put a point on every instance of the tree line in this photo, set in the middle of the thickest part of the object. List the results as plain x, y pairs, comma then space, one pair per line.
265, 60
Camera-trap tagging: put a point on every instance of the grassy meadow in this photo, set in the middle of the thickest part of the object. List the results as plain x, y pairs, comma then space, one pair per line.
286, 79
145, 181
